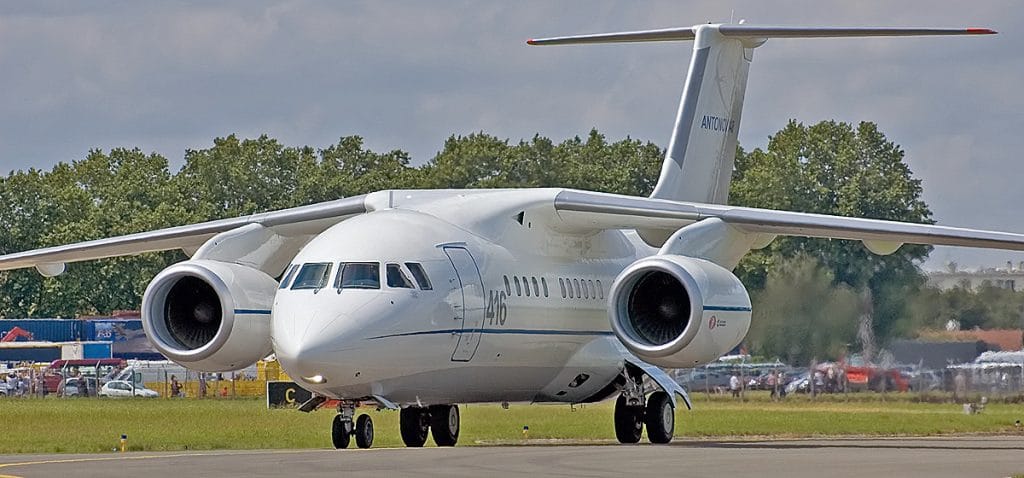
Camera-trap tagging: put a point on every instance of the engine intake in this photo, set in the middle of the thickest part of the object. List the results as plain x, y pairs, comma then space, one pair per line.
209, 315
677, 311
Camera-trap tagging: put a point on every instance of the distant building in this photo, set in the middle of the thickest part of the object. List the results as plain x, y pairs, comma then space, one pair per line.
1009, 277
936, 355
997, 339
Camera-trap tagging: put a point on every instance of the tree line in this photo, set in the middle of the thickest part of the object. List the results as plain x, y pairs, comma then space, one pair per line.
813, 297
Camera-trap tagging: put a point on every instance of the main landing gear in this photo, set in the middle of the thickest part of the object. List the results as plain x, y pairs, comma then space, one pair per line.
441, 420
631, 414
342, 429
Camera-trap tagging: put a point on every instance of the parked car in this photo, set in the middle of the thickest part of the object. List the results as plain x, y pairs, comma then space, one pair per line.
924, 380
59, 369
705, 381
71, 387
799, 384
121, 388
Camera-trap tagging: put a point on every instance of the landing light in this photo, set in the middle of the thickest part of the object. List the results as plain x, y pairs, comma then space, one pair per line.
315, 379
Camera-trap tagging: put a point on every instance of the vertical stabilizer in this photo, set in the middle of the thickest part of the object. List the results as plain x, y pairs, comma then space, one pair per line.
699, 161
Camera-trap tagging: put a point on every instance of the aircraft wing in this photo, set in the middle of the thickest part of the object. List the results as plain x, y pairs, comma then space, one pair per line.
589, 210
293, 222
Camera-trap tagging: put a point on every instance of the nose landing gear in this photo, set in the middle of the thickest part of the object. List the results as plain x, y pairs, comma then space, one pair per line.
342, 428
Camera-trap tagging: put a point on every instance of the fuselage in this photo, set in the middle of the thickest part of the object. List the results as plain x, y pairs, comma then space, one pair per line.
453, 298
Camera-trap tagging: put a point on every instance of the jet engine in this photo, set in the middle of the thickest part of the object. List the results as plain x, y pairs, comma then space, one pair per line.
676, 311
210, 315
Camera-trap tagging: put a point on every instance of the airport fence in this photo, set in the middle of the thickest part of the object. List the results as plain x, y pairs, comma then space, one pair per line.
29, 379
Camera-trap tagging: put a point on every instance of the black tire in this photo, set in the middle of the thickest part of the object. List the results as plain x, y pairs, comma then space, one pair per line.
341, 432
414, 423
629, 421
660, 418
444, 424
364, 431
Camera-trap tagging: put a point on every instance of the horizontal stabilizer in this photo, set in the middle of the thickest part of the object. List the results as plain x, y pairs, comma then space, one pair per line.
701, 153
755, 31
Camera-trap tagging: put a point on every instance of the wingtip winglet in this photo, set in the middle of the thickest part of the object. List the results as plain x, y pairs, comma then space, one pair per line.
981, 31
531, 42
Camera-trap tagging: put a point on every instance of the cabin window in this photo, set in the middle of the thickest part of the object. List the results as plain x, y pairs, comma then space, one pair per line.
576, 285
419, 274
568, 285
312, 276
593, 290
544, 284
288, 277
600, 290
561, 285
536, 287
508, 287
586, 290
358, 275
397, 278
526, 285
519, 290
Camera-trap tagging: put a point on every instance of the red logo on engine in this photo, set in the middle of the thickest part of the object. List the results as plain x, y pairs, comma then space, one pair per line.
712, 322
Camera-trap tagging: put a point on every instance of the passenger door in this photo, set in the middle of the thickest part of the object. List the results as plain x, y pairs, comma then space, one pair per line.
472, 308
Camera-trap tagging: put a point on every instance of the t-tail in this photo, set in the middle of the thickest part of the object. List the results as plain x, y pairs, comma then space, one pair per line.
699, 161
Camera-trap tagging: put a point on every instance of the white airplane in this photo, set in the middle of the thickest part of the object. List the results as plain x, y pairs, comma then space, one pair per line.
419, 300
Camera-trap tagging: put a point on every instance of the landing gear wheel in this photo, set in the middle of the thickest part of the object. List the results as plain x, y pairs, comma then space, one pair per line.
444, 424
364, 431
660, 418
414, 423
341, 432
629, 421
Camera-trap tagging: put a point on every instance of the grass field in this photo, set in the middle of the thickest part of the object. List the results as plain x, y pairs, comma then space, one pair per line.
95, 425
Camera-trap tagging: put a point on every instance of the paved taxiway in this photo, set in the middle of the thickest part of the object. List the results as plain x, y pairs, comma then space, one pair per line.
834, 458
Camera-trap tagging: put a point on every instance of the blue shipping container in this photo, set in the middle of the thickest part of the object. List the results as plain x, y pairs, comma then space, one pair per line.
128, 337
48, 330
96, 350
38, 354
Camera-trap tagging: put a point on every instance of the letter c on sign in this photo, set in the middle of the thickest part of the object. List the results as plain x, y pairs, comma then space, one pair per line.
289, 395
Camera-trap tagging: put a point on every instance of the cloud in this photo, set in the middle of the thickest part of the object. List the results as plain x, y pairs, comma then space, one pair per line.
170, 76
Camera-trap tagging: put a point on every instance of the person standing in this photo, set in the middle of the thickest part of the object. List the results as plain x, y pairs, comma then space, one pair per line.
959, 386
734, 385
175, 386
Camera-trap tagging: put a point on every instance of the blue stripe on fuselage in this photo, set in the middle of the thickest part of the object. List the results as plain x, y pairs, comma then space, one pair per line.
498, 332
252, 311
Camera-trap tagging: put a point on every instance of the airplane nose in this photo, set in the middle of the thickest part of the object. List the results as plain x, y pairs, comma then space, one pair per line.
321, 342
312, 355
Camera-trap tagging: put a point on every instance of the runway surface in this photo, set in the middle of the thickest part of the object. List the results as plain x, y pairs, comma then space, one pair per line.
832, 458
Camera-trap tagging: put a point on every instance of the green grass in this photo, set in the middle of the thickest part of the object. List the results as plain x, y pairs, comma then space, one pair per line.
95, 425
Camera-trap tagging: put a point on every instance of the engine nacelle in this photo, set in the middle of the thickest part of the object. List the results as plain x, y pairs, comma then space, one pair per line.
210, 316
676, 311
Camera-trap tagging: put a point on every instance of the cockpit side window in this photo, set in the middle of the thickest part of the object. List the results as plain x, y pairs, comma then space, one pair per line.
312, 276
397, 278
419, 274
358, 275
287, 279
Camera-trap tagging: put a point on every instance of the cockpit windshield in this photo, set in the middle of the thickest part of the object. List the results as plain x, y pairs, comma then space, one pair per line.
287, 280
358, 275
312, 276
420, 275
397, 278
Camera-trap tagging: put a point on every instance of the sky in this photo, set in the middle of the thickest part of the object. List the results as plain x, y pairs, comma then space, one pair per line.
173, 75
